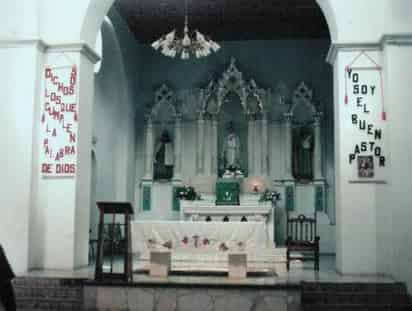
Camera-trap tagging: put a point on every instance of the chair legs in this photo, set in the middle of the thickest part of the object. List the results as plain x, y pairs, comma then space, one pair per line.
288, 260
315, 259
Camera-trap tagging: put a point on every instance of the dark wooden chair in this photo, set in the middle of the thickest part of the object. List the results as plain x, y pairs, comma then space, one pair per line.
302, 238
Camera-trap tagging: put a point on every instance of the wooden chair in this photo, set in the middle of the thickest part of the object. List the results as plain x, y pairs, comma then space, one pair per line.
302, 237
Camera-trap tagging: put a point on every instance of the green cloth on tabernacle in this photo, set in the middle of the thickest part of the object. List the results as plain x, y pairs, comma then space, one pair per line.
227, 191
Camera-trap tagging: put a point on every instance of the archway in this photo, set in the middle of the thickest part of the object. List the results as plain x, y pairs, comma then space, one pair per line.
95, 7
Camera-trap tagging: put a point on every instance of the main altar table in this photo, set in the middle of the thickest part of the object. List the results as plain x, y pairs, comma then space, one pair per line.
250, 209
203, 246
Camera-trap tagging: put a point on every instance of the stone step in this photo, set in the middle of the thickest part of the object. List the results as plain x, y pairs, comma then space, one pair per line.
356, 307
355, 298
48, 293
374, 288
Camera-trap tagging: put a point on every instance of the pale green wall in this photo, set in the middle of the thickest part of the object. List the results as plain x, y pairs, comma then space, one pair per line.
116, 98
267, 61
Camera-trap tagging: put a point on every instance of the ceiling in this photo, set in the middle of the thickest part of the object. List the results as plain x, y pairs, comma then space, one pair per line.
226, 20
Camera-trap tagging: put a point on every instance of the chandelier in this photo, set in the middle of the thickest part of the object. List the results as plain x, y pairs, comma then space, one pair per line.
198, 45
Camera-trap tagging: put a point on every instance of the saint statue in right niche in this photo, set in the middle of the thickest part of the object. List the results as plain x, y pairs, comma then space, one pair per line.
303, 142
163, 157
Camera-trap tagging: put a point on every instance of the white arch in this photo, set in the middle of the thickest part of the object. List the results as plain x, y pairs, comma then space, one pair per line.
97, 10
121, 107
93, 19
329, 14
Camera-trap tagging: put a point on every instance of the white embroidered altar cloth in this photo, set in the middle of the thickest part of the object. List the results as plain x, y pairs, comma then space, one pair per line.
201, 245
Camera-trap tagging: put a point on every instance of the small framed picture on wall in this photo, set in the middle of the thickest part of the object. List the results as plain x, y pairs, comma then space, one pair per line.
365, 166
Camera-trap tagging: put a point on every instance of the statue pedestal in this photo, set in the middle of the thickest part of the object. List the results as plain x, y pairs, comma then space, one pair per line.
227, 191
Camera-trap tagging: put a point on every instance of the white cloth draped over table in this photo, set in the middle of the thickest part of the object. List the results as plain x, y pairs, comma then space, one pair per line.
201, 242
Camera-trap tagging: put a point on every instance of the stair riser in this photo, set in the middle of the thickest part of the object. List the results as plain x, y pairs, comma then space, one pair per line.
354, 299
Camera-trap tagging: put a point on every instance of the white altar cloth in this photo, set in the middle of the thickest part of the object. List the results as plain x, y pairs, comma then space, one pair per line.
250, 208
203, 246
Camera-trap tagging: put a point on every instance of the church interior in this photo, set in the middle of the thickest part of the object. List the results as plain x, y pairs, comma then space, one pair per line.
277, 91
237, 138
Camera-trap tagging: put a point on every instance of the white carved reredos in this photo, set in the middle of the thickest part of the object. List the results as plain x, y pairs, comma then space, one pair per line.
255, 101
213, 95
164, 106
282, 92
302, 99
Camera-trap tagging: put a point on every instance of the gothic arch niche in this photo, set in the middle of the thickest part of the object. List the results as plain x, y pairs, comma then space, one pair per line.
232, 102
231, 82
304, 115
232, 114
163, 115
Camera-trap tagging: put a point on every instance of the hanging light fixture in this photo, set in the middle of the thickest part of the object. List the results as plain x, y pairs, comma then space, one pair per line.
171, 45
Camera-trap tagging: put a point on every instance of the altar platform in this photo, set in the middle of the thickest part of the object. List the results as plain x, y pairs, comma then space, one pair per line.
76, 290
299, 272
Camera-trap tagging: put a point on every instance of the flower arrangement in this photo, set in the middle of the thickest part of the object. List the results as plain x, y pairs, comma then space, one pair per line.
270, 195
187, 193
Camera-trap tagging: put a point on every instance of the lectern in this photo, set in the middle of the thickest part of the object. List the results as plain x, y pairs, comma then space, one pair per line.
114, 256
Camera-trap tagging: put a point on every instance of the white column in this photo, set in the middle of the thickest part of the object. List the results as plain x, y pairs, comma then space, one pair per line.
214, 147
317, 152
352, 222
177, 174
207, 156
17, 204
251, 146
288, 146
59, 236
265, 168
257, 138
200, 145
148, 169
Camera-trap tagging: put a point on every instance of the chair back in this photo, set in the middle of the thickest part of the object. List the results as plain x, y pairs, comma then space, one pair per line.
301, 228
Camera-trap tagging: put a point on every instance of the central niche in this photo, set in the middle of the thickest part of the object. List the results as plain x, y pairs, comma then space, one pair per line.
232, 119
236, 108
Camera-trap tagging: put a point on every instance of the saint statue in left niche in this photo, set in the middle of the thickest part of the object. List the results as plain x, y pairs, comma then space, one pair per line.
163, 157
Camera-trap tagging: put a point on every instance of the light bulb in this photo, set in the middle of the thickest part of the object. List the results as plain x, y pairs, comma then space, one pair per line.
170, 37
215, 46
157, 43
186, 41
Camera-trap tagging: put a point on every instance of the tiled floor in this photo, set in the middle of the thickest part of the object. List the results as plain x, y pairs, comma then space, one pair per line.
298, 272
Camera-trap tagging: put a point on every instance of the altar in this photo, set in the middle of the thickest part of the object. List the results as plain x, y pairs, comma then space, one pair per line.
204, 246
236, 140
